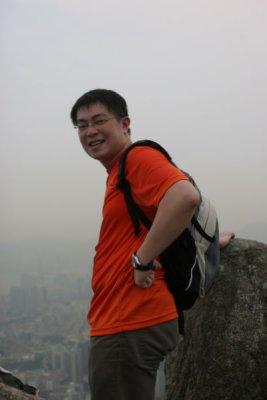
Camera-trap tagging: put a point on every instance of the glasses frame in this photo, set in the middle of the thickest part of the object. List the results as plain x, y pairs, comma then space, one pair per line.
96, 123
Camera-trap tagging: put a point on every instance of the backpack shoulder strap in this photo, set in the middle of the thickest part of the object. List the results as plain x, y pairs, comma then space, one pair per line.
139, 143
123, 184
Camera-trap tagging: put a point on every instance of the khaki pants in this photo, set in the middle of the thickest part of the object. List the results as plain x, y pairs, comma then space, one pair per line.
124, 366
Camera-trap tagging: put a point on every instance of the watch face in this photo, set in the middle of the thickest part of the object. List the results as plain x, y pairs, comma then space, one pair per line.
142, 267
135, 262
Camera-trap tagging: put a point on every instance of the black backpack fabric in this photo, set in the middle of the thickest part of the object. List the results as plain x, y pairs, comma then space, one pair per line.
191, 262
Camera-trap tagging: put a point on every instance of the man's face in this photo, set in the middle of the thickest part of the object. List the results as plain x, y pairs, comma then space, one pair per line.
102, 136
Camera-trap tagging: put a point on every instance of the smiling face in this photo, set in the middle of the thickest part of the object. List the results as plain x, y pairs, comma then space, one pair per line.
101, 134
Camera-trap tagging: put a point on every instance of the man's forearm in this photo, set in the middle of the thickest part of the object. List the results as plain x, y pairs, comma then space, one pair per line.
174, 214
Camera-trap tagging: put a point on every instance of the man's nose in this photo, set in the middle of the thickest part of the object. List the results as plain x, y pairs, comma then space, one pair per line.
91, 130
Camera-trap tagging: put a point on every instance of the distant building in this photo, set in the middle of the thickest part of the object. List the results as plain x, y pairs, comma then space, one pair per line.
76, 364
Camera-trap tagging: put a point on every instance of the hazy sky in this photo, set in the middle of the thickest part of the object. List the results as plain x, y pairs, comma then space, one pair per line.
193, 73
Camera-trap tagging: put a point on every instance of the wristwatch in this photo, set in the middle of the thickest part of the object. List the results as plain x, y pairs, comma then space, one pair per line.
139, 266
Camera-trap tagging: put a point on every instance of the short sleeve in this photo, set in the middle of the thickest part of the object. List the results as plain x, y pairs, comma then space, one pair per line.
150, 175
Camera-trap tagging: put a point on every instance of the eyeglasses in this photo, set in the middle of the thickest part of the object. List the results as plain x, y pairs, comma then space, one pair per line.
96, 123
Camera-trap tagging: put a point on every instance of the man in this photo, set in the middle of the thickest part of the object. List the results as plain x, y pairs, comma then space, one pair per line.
133, 318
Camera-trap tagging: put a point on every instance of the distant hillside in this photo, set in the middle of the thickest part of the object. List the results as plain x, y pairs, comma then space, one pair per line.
256, 231
46, 253
42, 255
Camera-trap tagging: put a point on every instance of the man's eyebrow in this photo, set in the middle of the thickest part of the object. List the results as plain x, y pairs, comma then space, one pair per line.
93, 117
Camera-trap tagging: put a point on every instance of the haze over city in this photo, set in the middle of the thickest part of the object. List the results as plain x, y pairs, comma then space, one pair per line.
193, 74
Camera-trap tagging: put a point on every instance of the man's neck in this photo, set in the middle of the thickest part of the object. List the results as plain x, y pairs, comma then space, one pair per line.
112, 162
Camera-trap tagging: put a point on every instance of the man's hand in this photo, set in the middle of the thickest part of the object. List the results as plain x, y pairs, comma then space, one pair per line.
145, 279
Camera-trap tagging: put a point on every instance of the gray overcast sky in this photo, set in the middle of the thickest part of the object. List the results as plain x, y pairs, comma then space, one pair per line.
193, 74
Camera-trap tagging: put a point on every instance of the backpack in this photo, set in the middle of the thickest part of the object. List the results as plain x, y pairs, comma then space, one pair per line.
191, 262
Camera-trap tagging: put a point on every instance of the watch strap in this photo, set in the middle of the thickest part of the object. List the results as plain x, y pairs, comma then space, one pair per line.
139, 266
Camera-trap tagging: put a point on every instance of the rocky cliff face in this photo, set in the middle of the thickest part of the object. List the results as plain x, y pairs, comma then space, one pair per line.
223, 355
12, 388
10, 393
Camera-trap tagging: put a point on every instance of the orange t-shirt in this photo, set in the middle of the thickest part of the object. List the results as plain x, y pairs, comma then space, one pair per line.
118, 303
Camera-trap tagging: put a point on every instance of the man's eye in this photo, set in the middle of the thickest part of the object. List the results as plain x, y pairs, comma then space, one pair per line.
81, 127
99, 122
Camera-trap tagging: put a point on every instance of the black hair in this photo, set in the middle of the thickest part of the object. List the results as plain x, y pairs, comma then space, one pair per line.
112, 100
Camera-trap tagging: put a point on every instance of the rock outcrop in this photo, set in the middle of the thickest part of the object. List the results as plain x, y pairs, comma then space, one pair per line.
10, 393
223, 355
12, 388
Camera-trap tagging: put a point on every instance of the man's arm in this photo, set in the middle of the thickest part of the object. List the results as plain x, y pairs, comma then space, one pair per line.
173, 216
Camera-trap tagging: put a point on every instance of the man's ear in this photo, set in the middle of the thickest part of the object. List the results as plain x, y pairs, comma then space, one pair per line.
126, 123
